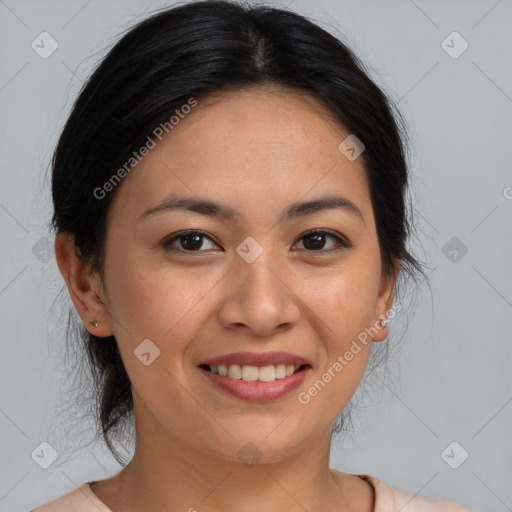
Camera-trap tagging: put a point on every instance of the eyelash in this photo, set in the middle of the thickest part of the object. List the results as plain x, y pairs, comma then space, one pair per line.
342, 243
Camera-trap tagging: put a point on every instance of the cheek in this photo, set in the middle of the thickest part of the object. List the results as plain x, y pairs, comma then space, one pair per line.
158, 301
345, 299
344, 303
344, 308
161, 305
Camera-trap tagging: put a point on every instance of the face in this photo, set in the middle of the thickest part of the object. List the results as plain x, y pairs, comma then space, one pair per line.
254, 281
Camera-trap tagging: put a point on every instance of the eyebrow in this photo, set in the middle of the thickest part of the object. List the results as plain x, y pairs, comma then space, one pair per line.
217, 210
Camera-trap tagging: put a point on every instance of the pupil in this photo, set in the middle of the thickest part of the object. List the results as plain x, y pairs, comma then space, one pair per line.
188, 238
318, 238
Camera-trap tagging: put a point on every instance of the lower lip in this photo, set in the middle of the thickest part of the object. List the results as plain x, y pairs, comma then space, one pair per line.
257, 391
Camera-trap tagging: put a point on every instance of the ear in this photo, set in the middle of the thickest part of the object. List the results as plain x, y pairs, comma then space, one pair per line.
385, 302
85, 287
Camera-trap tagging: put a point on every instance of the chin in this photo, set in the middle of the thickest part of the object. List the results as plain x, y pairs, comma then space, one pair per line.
251, 447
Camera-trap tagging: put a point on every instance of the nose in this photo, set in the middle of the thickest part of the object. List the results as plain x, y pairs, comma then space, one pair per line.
258, 298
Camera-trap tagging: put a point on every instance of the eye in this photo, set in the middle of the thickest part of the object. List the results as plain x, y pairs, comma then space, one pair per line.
190, 241
315, 241
193, 241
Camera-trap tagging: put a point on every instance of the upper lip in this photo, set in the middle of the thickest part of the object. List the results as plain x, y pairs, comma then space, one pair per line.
255, 359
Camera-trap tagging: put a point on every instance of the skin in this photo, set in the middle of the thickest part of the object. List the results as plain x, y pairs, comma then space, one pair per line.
257, 151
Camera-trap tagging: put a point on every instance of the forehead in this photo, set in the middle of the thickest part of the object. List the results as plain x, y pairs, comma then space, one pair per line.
252, 149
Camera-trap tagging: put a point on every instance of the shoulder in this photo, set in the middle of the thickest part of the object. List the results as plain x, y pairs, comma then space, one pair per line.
388, 499
81, 499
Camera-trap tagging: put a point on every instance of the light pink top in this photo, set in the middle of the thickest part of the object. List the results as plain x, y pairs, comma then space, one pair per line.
82, 499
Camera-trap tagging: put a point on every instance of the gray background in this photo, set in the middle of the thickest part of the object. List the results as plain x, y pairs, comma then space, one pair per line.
452, 376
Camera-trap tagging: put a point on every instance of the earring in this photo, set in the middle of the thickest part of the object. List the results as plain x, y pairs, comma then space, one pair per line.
383, 321
95, 323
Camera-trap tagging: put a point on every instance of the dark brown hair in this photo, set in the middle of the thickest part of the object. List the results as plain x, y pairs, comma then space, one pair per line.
189, 51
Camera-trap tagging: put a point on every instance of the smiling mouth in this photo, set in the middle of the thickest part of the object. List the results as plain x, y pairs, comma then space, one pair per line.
247, 373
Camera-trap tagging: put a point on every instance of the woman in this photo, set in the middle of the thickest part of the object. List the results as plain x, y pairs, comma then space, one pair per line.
229, 196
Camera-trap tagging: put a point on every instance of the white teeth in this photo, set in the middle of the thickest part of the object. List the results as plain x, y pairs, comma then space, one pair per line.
268, 373
280, 371
235, 371
248, 373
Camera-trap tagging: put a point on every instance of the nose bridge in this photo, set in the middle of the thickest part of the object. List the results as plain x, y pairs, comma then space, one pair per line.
259, 266
259, 297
